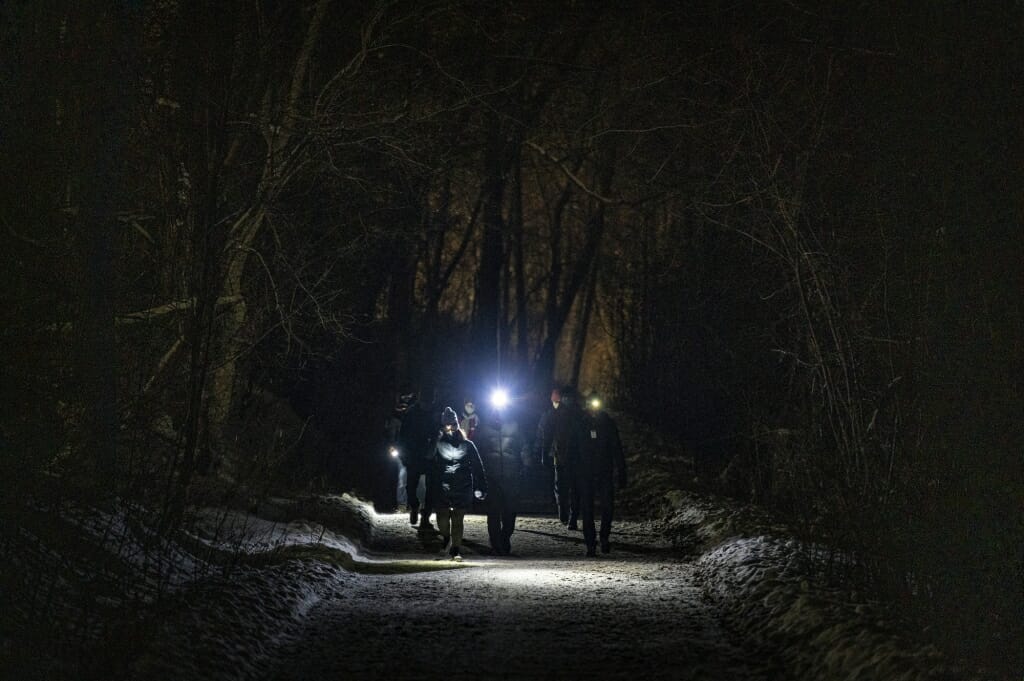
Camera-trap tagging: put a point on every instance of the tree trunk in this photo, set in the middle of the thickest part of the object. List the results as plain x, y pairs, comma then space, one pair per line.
488, 280
401, 337
228, 341
101, 125
584, 326
559, 313
559, 308
244, 233
516, 218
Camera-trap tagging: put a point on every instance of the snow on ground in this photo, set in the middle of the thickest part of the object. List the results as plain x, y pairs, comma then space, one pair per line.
757, 577
544, 613
230, 627
374, 604
326, 588
764, 593
68, 573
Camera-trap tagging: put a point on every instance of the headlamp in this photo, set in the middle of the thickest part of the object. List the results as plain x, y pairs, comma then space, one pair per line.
595, 403
499, 398
393, 451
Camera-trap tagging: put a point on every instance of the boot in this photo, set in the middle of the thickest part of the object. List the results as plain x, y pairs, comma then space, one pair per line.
455, 554
591, 552
414, 516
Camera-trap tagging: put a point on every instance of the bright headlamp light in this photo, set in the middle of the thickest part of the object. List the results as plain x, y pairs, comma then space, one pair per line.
499, 398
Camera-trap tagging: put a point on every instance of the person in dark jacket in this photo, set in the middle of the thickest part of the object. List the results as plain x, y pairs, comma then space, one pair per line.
501, 446
460, 480
558, 435
417, 439
601, 462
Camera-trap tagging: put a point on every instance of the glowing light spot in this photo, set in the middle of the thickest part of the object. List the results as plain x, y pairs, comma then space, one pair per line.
499, 398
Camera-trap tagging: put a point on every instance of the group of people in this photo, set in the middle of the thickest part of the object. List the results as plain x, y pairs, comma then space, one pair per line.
471, 462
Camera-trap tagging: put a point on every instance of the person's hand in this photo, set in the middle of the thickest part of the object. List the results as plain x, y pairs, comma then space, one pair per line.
480, 496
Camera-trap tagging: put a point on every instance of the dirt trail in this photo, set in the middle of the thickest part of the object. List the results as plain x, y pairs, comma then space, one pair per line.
544, 613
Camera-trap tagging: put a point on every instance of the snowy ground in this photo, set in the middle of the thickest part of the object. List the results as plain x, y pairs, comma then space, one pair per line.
386, 604
325, 588
545, 612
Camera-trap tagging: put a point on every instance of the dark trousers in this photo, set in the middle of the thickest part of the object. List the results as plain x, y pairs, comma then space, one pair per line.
501, 520
602, 490
567, 494
415, 469
451, 523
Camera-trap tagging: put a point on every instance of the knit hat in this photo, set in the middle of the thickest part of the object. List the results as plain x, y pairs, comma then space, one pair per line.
449, 418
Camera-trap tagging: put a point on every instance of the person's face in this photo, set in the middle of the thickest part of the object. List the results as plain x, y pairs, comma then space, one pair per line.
556, 398
469, 407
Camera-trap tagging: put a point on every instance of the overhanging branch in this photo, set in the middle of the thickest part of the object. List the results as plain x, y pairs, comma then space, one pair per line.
571, 175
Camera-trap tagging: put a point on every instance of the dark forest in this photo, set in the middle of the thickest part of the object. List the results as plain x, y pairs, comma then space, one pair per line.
785, 236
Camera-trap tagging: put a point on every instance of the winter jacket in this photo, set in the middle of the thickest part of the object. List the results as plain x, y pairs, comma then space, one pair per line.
418, 434
503, 460
559, 434
460, 472
601, 452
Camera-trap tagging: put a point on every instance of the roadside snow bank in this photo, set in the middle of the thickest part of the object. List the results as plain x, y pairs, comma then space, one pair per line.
761, 580
228, 628
73, 576
755, 572
761, 587
703, 521
276, 569
236, 533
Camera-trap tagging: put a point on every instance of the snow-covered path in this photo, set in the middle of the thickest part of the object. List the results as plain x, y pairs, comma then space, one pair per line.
544, 613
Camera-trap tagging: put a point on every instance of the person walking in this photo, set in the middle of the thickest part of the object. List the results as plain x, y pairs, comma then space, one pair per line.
500, 446
559, 438
417, 439
396, 496
601, 462
460, 480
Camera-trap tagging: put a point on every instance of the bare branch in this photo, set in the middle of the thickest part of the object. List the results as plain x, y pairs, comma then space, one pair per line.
168, 308
162, 365
573, 176
302, 63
